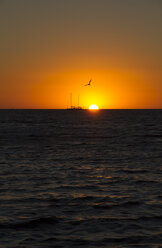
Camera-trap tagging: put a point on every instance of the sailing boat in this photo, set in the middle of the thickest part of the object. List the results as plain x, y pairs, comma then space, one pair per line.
74, 107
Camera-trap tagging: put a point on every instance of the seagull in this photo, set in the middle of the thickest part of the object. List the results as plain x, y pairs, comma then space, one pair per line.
89, 84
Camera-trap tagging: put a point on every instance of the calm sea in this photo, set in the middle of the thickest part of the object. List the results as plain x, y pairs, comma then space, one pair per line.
75, 178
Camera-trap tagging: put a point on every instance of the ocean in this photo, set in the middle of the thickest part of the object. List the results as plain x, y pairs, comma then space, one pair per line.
79, 178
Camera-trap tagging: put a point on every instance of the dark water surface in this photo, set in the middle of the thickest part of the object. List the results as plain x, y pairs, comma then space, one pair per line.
80, 178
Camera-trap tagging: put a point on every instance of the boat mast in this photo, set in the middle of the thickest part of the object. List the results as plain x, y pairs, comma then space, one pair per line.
71, 99
78, 101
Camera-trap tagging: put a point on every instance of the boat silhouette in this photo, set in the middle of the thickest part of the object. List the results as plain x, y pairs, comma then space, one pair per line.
74, 107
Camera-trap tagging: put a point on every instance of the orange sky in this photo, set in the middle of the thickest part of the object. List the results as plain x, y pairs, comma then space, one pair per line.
52, 48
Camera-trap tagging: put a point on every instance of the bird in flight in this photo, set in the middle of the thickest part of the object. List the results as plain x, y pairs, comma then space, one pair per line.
89, 84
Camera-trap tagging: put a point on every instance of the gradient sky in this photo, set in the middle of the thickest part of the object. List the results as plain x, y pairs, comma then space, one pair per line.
51, 48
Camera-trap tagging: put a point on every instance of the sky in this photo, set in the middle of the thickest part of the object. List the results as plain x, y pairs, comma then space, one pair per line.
49, 49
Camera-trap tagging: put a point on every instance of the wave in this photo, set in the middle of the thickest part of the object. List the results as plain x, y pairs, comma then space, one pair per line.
133, 171
153, 136
97, 219
146, 182
32, 223
150, 218
130, 240
52, 220
123, 204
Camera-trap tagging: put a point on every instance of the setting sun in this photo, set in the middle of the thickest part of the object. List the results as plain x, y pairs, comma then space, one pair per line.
93, 107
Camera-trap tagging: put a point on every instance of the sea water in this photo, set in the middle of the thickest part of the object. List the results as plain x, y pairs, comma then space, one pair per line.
79, 178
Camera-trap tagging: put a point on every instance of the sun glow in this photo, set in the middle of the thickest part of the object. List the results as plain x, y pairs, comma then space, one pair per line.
93, 107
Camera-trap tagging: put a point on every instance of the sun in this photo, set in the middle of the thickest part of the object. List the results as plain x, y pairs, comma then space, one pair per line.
93, 107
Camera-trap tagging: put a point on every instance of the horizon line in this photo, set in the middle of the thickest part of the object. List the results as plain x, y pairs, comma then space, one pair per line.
82, 109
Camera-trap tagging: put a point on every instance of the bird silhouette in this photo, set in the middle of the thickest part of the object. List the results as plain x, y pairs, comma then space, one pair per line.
89, 84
